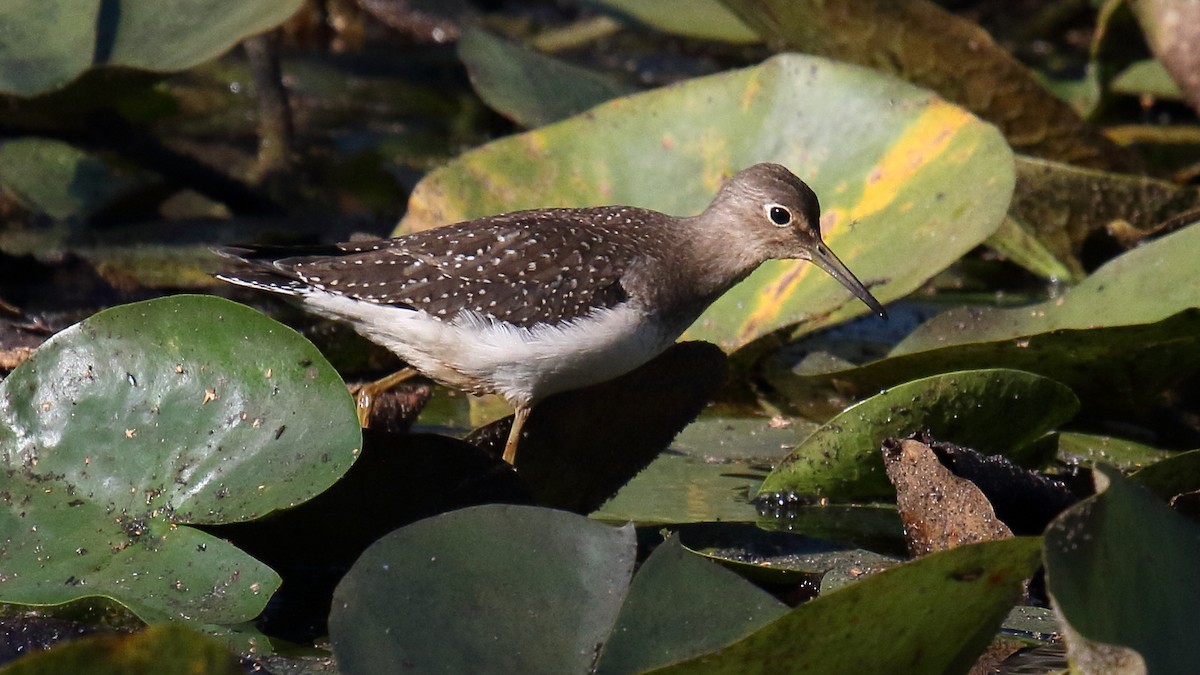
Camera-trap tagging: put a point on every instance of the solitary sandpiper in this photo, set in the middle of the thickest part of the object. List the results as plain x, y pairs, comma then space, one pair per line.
532, 303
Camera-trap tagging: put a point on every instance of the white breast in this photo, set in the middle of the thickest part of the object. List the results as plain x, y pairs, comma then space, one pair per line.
476, 353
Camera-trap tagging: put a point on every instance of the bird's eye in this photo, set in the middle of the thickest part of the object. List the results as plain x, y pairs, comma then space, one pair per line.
779, 215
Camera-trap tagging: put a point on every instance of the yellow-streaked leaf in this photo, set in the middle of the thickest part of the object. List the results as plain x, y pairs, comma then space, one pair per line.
908, 182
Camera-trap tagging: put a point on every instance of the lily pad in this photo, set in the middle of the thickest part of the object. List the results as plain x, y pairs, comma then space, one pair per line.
59, 39
1078, 448
879, 152
528, 87
712, 468
776, 557
675, 593
932, 615
57, 179
979, 409
489, 589
1110, 369
1171, 477
702, 19
124, 429
1146, 284
1121, 568
161, 649
922, 42
1147, 76
1062, 205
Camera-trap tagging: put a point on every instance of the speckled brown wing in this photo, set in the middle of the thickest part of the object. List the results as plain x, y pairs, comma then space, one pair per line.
525, 268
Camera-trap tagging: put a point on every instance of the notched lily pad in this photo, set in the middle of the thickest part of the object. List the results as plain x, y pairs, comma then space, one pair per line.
674, 593
974, 408
122, 430
489, 589
879, 152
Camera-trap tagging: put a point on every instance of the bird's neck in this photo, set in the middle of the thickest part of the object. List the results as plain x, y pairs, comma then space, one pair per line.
705, 261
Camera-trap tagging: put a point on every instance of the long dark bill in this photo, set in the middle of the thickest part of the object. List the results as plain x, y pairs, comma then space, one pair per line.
826, 260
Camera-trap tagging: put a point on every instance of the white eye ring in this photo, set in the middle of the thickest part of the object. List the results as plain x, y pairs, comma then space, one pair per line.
778, 214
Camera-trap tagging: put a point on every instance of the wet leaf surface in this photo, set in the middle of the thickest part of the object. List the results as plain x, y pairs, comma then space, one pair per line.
935, 614
1079, 448
708, 474
158, 649
778, 557
878, 151
841, 460
1147, 284
57, 179
215, 422
1110, 369
1097, 557
1171, 477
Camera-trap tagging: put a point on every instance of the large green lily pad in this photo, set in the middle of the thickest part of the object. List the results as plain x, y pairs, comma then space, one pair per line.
1121, 568
489, 589
993, 411
508, 589
47, 43
932, 615
933, 47
884, 157
126, 428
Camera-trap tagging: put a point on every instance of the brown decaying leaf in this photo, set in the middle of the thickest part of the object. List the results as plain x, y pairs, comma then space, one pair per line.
1173, 30
927, 45
939, 510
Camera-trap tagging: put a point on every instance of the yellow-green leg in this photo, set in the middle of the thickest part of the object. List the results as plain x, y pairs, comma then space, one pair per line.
514, 434
365, 395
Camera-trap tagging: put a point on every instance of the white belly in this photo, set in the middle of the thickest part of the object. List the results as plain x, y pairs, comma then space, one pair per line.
524, 365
